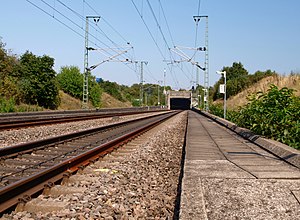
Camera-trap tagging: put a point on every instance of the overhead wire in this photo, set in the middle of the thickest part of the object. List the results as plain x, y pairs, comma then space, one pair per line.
118, 33
74, 23
152, 37
163, 36
82, 18
148, 29
164, 15
158, 25
199, 4
76, 13
166, 43
54, 9
52, 16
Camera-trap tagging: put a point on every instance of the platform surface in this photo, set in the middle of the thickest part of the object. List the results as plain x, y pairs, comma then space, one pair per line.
227, 177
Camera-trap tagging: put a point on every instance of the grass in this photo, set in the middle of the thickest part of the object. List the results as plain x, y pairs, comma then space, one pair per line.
107, 101
291, 81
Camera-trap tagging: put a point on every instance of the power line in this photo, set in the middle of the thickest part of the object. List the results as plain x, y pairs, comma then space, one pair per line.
106, 36
76, 13
118, 33
155, 42
158, 25
199, 3
61, 14
148, 29
166, 22
82, 18
52, 16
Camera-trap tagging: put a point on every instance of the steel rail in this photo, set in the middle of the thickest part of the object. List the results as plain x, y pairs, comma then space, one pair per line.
23, 189
66, 112
25, 147
28, 122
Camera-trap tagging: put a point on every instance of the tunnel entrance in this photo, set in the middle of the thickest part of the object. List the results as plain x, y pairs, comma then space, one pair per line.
180, 104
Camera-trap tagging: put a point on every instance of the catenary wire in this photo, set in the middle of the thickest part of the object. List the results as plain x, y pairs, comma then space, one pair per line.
72, 29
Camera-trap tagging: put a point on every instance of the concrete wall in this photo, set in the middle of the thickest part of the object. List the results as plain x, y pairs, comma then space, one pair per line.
179, 100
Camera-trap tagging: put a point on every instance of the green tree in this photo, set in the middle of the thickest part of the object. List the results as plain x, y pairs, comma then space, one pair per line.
38, 80
9, 75
113, 89
95, 92
236, 80
71, 81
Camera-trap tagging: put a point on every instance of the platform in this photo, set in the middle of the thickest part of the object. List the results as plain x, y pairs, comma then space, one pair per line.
228, 177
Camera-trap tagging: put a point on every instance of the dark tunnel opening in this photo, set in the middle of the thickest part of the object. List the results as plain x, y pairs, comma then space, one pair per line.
180, 104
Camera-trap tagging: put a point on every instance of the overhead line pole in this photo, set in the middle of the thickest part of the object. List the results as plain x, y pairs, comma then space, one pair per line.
165, 92
85, 96
142, 82
206, 66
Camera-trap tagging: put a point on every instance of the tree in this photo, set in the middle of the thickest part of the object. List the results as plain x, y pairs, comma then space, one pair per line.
70, 81
235, 71
236, 80
9, 73
95, 91
38, 80
113, 89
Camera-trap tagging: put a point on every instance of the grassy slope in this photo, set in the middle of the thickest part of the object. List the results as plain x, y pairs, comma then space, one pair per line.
110, 102
69, 103
292, 82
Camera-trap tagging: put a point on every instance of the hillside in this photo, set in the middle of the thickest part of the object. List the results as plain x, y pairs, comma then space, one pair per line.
70, 103
263, 85
110, 102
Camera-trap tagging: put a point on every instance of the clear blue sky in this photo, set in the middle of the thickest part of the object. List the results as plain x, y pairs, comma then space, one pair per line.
262, 34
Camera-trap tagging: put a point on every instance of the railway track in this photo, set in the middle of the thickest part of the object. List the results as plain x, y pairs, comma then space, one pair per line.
27, 168
20, 120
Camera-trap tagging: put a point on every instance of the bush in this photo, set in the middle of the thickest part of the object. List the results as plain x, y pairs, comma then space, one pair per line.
95, 94
275, 114
7, 105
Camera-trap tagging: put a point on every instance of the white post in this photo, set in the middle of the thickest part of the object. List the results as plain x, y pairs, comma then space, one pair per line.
224, 74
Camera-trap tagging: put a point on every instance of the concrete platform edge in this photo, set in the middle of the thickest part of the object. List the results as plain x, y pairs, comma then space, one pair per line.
283, 151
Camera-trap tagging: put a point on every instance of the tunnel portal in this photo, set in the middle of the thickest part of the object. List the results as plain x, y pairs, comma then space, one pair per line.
179, 100
180, 104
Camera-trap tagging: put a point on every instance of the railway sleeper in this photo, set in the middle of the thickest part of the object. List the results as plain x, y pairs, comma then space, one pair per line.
40, 205
79, 179
32, 157
15, 163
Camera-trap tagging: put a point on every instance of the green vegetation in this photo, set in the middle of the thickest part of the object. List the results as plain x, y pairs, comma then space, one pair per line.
238, 79
38, 82
115, 90
71, 80
275, 114
7, 105
29, 79
30, 83
132, 93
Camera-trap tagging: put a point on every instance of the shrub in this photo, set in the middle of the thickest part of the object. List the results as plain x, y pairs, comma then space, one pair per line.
275, 114
7, 105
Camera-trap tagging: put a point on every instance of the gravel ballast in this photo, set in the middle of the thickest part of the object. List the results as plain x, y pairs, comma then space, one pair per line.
137, 182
